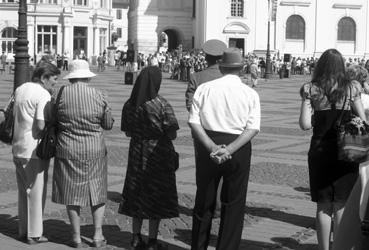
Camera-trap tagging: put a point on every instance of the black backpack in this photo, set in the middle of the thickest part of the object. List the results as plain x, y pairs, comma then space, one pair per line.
7, 125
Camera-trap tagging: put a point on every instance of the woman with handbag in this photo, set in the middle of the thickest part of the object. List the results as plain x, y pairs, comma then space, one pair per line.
31, 111
150, 186
327, 98
350, 235
80, 165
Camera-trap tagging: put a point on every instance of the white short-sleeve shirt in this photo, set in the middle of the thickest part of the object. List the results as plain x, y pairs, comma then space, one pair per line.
226, 105
30, 101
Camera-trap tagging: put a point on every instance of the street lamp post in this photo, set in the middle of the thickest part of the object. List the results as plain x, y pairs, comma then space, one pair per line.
21, 61
268, 66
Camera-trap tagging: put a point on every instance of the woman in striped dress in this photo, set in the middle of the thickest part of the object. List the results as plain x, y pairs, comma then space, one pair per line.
80, 167
150, 186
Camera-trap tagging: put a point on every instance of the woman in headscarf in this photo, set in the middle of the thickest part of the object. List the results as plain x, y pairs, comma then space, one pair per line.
150, 186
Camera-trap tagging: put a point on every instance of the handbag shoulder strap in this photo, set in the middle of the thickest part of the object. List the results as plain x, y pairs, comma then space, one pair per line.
339, 120
57, 102
59, 95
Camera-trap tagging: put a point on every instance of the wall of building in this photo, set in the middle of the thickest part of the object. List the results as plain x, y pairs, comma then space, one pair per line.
65, 16
321, 18
148, 18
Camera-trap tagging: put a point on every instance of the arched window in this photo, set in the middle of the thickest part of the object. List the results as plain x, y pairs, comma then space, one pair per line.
237, 8
8, 36
9, 32
346, 29
295, 27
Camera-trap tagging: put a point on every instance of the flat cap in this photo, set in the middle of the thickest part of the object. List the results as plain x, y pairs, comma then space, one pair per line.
214, 47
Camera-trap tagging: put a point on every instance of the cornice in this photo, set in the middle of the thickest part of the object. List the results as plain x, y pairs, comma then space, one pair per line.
347, 6
295, 3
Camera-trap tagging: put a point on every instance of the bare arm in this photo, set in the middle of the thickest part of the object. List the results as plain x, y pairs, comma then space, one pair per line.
40, 125
305, 115
357, 105
200, 134
241, 140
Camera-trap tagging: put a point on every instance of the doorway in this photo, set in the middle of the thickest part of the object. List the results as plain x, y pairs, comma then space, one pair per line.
237, 43
171, 39
79, 42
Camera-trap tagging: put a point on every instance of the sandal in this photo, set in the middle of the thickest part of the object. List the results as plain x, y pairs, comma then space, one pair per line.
99, 243
76, 244
37, 240
137, 242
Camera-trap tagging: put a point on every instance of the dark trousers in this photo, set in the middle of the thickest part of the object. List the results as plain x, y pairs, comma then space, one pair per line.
235, 173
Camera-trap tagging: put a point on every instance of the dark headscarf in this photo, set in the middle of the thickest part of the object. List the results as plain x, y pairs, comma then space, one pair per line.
146, 87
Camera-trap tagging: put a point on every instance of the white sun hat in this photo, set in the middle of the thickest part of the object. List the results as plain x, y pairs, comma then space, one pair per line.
79, 69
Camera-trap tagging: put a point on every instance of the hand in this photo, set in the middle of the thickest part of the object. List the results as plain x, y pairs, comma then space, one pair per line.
220, 155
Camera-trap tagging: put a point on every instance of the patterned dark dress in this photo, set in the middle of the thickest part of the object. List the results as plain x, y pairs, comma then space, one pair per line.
331, 180
150, 190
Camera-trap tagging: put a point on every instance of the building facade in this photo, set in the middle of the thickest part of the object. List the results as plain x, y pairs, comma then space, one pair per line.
149, 19
71, 27
298, 27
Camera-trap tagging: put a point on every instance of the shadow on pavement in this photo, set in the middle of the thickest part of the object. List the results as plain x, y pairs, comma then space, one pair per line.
9, 225
294, 219
114, 196
303, 190
289, 243
185, 210
185, 237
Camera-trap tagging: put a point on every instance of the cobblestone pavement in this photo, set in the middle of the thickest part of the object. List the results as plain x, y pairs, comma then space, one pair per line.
279, 214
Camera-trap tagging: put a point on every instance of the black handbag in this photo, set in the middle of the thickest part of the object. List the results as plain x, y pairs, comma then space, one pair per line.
7, 126
352, 139
47, 146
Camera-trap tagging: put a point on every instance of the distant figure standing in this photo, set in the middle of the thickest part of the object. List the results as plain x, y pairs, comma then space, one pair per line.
3, 60
65, 61
100, 63
213, 50
254, 73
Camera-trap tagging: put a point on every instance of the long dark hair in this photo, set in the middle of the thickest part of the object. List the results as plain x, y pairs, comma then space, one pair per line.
329, 72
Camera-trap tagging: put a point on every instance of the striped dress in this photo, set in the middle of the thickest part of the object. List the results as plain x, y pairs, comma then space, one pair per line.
80, 166
150, 185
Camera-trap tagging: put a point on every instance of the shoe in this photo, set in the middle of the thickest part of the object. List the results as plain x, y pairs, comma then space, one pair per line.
76, 244
153, 245
37, 240
99, 243
22, 238
216, 213
137, 242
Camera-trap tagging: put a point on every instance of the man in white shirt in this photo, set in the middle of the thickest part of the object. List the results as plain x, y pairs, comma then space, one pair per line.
224, 117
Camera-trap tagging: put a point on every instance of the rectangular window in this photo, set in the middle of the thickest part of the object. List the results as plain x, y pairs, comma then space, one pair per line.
237, 8
46, 1
46, 39
80, 2
119, 32
102, 40
119, 14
